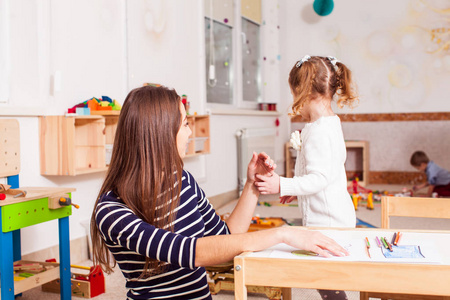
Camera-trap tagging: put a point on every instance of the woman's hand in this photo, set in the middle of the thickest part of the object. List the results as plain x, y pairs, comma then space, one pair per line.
260, 164
310, 240
287, 199
268, 184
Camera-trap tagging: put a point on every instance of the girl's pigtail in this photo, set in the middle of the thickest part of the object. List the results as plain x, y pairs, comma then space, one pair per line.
298, 79
346, 90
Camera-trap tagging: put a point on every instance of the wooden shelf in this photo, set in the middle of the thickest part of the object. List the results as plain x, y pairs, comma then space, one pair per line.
357, 163
357, 152
199, 141
74, 145
37, 279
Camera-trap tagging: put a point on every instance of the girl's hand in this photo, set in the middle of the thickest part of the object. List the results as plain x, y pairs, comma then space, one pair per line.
310, 240
287, 199
260, 164
268, 184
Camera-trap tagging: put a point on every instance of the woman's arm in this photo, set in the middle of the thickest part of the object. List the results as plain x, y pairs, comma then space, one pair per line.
240, 218
222, 248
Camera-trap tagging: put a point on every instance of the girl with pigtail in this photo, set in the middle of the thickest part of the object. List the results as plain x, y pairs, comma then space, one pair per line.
320, 181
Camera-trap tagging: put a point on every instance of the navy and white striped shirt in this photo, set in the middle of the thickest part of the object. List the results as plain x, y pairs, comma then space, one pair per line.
131, 240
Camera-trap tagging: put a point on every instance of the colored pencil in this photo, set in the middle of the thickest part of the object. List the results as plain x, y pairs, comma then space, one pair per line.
393, 238
389, 246
378, 241
368, 247
399, 237
384, 243
396, 238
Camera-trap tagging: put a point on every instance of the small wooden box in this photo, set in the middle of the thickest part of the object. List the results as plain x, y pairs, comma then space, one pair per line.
83, 285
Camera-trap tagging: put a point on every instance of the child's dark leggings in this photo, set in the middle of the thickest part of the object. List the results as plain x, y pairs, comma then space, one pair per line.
334, 295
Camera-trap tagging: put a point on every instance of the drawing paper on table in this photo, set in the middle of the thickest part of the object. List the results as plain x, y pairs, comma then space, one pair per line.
404, 251
355, 244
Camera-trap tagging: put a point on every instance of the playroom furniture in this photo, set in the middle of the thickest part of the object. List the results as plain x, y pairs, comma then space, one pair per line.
78, 144
393, 277
199, 141
409, 207
27, 209
357, 152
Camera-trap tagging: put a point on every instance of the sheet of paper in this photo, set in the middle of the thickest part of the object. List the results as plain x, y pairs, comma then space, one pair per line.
356, 246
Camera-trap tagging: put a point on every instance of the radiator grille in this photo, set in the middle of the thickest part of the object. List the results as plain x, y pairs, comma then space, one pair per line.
249, 140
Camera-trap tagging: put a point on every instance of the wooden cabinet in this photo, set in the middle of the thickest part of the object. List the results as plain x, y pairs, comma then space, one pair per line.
356, 165
199, 141
74, 145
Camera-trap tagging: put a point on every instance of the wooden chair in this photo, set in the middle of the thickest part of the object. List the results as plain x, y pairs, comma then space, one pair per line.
410, 207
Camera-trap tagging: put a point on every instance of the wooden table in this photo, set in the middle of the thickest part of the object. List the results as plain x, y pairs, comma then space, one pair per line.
394, 277
20, 212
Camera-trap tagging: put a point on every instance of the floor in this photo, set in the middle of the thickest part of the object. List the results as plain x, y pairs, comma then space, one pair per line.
269, 208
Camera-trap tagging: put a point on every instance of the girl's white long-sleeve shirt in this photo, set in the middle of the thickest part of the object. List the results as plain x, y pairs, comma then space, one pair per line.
320, 181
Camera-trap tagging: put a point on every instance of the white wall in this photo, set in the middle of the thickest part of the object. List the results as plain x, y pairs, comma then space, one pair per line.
387, 45
108, 47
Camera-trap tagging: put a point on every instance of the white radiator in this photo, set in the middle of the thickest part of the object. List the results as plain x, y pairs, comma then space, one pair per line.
249, 141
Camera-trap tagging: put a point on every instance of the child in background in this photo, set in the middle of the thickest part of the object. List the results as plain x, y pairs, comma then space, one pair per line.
320, 181
438, 179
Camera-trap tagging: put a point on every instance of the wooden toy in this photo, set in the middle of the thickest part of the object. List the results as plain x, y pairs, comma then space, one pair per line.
28, 209
83, 285
355, 201
5, 189
370, 201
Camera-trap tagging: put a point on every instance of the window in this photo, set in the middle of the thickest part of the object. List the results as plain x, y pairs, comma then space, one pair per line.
233, 58
251, 61
219, 62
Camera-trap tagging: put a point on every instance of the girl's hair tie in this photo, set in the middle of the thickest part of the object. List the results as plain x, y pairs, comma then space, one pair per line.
333, 61
301, 61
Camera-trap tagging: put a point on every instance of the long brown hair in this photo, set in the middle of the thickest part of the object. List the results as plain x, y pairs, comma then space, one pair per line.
145, 169
316, 77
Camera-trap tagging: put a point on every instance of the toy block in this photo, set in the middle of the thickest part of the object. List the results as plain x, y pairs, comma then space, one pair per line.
104, 108
92, 104
83, 111
106, 98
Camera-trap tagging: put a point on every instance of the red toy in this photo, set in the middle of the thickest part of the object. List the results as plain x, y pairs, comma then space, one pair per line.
83, 285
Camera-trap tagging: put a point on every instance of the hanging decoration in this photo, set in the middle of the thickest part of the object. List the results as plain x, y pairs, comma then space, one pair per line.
323, 7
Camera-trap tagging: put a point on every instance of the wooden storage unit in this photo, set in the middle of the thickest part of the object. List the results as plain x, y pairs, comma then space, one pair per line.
357, 164
199, 141
357, 152
72, 145
290, 160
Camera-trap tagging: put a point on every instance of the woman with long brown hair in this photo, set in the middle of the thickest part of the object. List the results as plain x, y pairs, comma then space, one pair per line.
156, 221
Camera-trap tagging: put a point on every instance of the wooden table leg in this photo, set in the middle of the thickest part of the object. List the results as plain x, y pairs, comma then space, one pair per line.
287, 293
240, 290
64, 257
